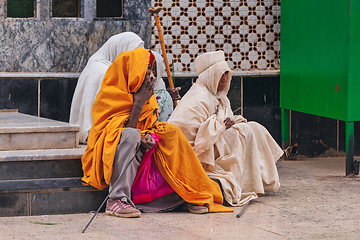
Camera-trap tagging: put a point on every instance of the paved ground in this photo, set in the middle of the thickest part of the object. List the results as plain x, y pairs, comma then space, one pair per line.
315, 201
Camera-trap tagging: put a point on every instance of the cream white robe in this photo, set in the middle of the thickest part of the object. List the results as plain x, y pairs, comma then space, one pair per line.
91, 77
163, 97
242, 157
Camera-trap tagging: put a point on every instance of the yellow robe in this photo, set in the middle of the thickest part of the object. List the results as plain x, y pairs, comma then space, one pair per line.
173, 155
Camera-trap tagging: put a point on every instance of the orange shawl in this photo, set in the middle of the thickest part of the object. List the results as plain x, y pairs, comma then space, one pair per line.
174, 156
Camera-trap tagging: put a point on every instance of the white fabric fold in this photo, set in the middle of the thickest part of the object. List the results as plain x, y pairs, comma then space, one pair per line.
163, 97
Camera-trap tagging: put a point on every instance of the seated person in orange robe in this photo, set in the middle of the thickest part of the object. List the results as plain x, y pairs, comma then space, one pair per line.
124, 112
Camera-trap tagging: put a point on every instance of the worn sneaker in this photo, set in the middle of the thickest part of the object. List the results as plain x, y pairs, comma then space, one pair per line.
121, 209
197, 209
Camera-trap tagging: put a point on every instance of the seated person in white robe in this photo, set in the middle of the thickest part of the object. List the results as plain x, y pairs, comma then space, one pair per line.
239, 155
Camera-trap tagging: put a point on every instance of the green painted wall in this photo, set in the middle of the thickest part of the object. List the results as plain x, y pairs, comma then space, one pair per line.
320, 58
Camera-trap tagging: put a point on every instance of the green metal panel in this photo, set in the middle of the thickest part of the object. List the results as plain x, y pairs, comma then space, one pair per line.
354, 62
319, 53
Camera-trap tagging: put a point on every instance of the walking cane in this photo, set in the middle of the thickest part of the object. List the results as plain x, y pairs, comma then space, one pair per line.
242, 210
155, 13
102, 204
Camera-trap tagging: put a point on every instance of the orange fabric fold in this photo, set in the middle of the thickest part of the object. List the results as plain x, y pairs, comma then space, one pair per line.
110, 111
174, 156
178, 164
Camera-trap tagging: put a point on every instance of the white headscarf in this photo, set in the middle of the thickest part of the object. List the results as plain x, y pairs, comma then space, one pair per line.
90, 80
160, 84
117, 44
163, 97
210, 67
202, 110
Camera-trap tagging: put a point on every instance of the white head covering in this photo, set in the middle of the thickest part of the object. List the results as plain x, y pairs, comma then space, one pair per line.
210, 67
163, 97
90, 79
202, 110
160, 71
117, 44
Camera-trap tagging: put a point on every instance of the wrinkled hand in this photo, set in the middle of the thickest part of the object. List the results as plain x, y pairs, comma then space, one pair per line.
144, 92
174, 92
147, 142
229, 122
140, 97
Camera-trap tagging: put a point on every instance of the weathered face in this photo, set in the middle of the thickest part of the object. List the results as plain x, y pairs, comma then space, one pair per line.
222, 82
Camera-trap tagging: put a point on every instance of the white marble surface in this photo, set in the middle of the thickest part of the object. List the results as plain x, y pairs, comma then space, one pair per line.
42, 154
25, 132
14, 122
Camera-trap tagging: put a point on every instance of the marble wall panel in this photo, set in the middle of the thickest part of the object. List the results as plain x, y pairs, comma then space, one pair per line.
234, 94
261, 103
55, 98
58, 46
21, 94
184, 83
261, 91
137, 10
46, 44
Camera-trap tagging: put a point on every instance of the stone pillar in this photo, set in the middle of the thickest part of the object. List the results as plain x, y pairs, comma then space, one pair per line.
89, 10
2, 10
43, 10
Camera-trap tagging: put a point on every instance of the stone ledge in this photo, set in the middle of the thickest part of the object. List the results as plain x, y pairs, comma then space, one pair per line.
45, 154
39, 75
15, 122
48, 196
44, 185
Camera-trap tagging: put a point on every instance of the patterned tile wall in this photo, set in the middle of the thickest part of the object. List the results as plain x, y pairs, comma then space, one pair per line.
247, 30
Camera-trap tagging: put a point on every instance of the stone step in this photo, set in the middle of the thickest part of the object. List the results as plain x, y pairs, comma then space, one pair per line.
48, 196
25, 132
37, 164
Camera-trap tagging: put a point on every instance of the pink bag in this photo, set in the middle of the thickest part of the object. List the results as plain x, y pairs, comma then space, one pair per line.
149, 185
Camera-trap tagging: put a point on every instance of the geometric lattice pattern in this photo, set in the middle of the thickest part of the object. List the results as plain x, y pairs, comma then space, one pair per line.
247, 30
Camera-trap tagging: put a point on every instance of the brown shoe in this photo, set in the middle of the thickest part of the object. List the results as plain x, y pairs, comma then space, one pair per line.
121, 209
197, 209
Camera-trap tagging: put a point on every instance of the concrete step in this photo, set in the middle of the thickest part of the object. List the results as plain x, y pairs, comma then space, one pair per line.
25, 132
40, 168
37, 164
48, 196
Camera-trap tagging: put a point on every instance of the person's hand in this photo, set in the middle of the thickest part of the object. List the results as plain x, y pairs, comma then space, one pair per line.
146, 90
147, 142
143, 94
174, 92
229, 122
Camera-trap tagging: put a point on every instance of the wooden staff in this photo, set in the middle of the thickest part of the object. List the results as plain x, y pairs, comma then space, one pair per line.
155, 13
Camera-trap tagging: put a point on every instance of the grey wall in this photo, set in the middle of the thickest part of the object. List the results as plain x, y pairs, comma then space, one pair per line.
44, 44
